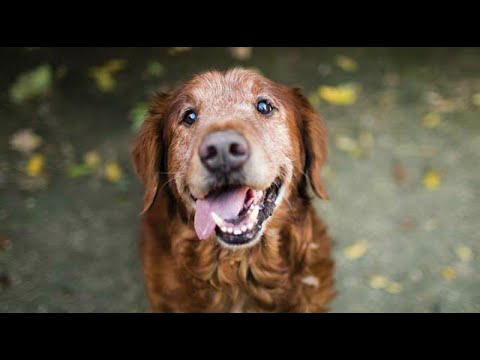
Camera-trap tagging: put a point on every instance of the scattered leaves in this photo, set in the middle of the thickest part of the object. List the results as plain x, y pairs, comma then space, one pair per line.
113, 173
449, 273
339, 95
476, 99
241, 53
378, 282
431, 180
356, 250
431, 120
25, 141
155, 69
311, 281
35, 165
104, 75
346, 63
91, 159
464, 253
178, 50
355, 147
32, 84
137, 115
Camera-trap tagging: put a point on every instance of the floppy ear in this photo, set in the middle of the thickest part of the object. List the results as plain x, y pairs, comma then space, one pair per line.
148, 150
315, 140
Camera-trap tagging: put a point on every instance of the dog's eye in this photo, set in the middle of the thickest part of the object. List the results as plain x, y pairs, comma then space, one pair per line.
190, 117
264, 107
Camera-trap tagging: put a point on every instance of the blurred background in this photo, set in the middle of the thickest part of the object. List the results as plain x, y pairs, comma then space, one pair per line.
403, 173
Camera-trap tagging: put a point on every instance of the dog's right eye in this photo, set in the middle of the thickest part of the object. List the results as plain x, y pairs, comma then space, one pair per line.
189, 118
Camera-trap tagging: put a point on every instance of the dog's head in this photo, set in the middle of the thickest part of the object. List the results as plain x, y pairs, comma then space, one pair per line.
230, 147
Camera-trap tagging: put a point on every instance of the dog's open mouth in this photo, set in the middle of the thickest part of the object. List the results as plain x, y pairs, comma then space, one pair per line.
236, 214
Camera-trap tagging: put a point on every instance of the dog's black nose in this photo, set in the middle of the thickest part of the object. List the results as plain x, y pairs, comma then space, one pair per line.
224, 151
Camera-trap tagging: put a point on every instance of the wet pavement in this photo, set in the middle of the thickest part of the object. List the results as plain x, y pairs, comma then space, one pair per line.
402, 175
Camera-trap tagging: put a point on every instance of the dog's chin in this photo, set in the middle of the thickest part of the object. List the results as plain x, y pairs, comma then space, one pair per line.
247, 228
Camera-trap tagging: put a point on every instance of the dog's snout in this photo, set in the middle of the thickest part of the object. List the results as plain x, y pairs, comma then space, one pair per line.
224, 151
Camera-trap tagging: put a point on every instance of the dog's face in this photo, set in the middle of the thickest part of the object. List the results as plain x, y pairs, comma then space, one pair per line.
230, 147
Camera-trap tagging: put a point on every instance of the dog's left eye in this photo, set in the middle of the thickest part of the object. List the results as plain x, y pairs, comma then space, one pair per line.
264, 107
190, 117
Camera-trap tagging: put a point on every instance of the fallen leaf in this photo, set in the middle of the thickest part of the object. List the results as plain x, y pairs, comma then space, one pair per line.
400, 173
338, 95
35, 165
241, 53
113, 172
78, 170
449, 273
393, 287
25, 141
476, 99
464, 253
178, 50
91, 159
356, 250
311, 281
431, 120
137, 114
31, 84
104, 75
431, 180
345, 143
155, 69
346, 63
378, 282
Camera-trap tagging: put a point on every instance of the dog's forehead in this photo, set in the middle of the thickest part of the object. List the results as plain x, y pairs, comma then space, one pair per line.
232, 86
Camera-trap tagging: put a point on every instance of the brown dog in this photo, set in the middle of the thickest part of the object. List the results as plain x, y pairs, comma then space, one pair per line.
228, 224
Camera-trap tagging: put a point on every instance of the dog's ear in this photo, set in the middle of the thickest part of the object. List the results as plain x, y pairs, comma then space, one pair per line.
148, 150
314, 136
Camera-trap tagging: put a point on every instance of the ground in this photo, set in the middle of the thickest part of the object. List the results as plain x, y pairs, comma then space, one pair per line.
402, 174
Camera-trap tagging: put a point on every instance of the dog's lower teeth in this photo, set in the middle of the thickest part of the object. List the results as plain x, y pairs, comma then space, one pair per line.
230, 230
224, 229
244, 228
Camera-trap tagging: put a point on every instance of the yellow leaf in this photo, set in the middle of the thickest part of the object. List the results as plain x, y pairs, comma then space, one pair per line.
378, 282
346, 63
35, 165
476, 99
464, 253
449, 273
394, 287
91, 159
356, 250
338, 95
347, 144
113, 172
431, 180
103, 75
431, 120
314, 100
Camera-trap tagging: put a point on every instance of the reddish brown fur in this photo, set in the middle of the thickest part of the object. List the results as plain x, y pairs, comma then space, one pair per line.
184, 274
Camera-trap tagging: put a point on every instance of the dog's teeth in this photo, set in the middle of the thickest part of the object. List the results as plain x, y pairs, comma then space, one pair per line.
224, 229
250, 226
218, 220
236, 231
254, 214
244, 228
230, 230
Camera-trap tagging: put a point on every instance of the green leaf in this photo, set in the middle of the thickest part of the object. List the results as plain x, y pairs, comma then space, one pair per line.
137, 115
78, 170
31, 84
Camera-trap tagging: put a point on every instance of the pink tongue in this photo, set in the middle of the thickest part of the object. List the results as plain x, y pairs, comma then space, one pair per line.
227, 205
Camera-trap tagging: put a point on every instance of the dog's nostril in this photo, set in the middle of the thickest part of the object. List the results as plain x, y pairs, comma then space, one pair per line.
211, 152
237, 149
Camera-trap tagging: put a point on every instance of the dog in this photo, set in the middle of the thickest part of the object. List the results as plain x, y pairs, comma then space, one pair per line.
227, 161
